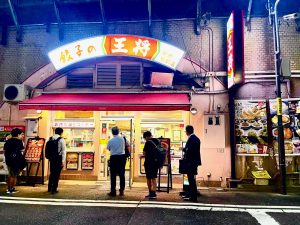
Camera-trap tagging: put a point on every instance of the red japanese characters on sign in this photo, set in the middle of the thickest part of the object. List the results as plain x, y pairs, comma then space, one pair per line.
235, 48
131, 46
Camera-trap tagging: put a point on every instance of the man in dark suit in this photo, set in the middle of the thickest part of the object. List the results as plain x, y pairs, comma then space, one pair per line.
192, 155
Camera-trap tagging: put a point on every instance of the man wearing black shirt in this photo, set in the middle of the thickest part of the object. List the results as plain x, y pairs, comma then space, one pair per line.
192, 155
150, 164
13, 154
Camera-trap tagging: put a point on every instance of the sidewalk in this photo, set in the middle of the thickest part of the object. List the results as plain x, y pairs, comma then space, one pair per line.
91, 190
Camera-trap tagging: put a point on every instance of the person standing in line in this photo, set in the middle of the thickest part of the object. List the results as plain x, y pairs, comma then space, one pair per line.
57, 163
192, 155
116, 146
13, 155
151, 167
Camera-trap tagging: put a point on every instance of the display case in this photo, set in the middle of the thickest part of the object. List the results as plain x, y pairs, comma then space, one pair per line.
79, 145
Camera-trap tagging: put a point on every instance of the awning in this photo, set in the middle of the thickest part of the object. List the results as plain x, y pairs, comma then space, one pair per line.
109, 102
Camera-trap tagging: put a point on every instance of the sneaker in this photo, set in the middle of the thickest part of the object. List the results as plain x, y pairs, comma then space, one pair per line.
8, 192
152, 196
14, 191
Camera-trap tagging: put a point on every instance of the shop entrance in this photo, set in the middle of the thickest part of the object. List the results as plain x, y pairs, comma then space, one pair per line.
125, 124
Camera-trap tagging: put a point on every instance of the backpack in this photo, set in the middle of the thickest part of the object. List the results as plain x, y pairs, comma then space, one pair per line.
127, 152
160, 155
51, 150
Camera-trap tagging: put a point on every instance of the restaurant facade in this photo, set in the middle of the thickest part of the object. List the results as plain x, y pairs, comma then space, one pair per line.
94, 83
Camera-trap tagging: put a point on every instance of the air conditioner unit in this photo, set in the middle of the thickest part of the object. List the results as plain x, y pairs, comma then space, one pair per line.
15, 92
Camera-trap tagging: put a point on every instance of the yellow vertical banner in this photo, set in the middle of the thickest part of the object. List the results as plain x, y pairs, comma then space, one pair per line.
279, 106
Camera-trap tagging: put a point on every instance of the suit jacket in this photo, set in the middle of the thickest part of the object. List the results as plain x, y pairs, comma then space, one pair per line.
192, 153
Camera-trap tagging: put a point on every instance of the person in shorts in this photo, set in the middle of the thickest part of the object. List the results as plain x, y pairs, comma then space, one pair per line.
151, 167
13, 153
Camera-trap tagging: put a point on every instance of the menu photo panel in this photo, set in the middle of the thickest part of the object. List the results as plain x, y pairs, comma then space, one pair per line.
87, 160
291, 125
72, 160
251, 129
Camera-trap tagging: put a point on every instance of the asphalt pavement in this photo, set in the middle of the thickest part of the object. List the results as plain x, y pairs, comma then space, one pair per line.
88, 203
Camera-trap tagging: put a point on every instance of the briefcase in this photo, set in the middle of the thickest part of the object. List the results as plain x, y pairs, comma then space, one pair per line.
183, 166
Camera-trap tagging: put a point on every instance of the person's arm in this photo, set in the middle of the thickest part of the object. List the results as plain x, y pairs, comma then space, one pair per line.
145, 148
63, 150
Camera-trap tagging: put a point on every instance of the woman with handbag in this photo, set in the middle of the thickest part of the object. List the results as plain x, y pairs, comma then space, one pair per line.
14, 158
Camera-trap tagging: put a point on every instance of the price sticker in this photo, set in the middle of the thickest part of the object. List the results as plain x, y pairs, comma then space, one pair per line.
279, 106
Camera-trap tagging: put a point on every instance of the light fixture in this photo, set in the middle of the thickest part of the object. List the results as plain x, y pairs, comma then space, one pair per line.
193, 111
39, 111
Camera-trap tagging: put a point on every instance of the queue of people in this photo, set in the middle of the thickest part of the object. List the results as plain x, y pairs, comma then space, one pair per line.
118, 147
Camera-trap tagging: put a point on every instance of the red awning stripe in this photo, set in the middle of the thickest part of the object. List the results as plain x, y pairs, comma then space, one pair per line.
109, 102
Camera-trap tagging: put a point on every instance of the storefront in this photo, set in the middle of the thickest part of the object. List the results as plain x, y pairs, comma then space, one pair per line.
86, 98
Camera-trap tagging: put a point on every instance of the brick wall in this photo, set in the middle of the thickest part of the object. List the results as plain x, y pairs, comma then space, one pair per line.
19, 60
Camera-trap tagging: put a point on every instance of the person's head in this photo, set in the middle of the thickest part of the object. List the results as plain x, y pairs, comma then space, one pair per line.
115, 130
147, 135
17, 133
59, 131
189, 129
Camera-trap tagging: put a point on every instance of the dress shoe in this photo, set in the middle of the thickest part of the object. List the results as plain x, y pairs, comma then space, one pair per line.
190, 199
121, 193
54, 192
112, 194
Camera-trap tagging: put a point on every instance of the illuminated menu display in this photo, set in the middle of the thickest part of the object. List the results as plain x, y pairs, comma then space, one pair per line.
118, 45
34, 149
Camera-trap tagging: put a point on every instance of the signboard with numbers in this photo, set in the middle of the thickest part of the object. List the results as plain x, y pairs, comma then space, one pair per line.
34, 149
116, 45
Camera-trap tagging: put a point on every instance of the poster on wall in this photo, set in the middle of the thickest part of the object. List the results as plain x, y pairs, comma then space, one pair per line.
175, 165
291, 125
251, 127
165, 142
72, 161
3, 167
34, 149
87, 161
32, 128
142, 168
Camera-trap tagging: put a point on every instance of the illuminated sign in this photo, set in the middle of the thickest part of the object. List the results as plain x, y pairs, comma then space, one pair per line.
235, 48
116, 45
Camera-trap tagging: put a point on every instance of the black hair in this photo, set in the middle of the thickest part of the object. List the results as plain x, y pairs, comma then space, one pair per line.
189, 129
115, 130
15, 132
147, 134
58, 130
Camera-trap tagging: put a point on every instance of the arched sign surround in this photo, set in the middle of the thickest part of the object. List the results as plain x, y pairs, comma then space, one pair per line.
116, 45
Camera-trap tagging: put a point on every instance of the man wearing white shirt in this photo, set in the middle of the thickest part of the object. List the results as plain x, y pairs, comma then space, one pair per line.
116, 146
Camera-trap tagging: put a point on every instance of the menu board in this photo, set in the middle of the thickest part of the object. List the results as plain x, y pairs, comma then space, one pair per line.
251, 127
5, 131
34, 149
291, 125
72, 161
87, 161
